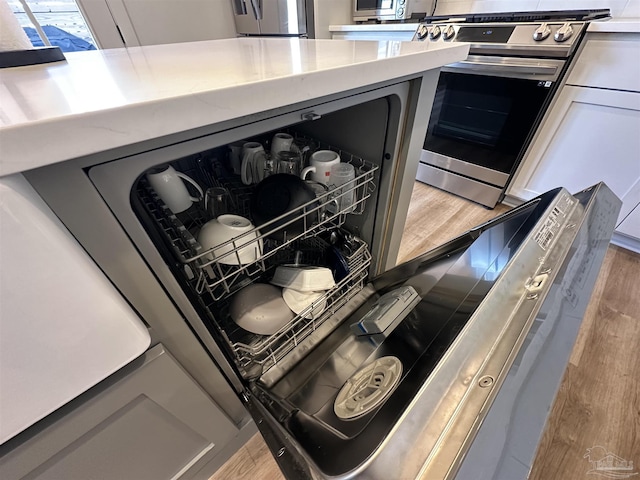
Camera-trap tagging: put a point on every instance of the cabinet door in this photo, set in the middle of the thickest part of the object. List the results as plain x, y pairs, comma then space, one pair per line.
630, 226
152, 22
589, 135
150, 420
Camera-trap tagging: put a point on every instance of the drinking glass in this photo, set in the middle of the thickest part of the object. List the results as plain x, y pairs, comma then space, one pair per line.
217, 201
289, 162
343, 178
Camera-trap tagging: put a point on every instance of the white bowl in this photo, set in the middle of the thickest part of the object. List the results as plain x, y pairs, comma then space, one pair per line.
259, 308
303, 278
215, 233
300, 301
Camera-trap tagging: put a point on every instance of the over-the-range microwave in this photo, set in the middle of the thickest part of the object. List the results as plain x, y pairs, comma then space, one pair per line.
364, 10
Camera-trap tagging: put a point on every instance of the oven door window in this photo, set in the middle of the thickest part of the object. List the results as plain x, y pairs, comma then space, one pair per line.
484, 120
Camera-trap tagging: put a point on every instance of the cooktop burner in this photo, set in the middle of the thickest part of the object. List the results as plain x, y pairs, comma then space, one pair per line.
523, 17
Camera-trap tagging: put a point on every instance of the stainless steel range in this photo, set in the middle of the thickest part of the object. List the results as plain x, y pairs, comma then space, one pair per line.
488, 107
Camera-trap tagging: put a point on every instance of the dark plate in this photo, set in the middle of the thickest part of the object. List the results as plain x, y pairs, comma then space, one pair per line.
277, 195
337, 262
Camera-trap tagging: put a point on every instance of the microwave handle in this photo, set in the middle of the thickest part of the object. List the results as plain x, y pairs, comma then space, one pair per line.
504, 69
257, 9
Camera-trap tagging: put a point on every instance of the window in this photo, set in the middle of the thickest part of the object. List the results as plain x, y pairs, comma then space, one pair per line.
60, 21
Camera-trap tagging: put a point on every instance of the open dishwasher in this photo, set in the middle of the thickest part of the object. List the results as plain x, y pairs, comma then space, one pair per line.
398, 372
418, 353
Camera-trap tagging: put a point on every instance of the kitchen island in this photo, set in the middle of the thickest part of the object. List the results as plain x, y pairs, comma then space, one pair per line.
60, 122
111, 98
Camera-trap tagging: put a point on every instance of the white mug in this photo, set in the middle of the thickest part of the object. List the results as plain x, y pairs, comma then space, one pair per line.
280, 142
249, 152
235, 156
321, 163
170, 188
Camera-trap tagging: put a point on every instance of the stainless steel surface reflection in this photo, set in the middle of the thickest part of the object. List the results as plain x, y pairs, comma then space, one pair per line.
451, 288
480, 296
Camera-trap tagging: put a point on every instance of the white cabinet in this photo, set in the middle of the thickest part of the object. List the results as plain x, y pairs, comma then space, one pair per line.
591, 133
630, 226
608, 61
150, 420
129, 23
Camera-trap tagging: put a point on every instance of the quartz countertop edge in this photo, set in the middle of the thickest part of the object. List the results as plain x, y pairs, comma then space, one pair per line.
616, 25
99, 100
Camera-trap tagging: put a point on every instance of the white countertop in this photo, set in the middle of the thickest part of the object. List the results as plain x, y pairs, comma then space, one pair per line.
616, 25
375, 27
103, 99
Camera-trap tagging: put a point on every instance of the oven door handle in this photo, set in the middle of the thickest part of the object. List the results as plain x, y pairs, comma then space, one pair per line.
505, 69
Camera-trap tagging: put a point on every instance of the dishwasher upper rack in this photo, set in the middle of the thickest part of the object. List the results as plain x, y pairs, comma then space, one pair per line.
203, 267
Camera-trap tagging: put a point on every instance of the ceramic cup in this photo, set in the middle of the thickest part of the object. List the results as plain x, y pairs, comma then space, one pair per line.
168, 184
216, 234
252, 154
320, 166
281, 142
235, 156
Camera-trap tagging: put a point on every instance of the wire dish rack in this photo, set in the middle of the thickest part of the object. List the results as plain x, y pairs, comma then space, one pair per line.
214, 276
220, 270
255, 354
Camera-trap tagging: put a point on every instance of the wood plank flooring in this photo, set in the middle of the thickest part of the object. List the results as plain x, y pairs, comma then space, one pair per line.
599, 399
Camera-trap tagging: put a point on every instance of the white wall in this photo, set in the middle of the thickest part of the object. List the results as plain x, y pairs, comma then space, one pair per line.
331, 12
619, 8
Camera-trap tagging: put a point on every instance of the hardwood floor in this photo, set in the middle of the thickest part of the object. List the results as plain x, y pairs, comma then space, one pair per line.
599, 399
435, 217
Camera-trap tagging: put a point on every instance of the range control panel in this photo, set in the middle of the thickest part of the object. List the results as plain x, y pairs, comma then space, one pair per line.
518, 34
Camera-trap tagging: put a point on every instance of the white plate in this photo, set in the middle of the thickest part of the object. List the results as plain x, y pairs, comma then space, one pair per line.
259, 308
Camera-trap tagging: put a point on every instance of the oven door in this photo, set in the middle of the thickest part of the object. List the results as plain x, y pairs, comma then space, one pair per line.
484, 113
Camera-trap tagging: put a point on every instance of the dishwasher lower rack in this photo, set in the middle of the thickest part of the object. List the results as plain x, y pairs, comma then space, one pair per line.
255, 354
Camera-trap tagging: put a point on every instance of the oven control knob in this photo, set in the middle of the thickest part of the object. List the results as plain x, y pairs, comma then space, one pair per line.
448, 32
563, 33
422, 32
435, 32
542, 32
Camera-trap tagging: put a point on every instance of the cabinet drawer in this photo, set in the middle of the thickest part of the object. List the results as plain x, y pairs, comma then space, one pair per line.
148, 421
608, 61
